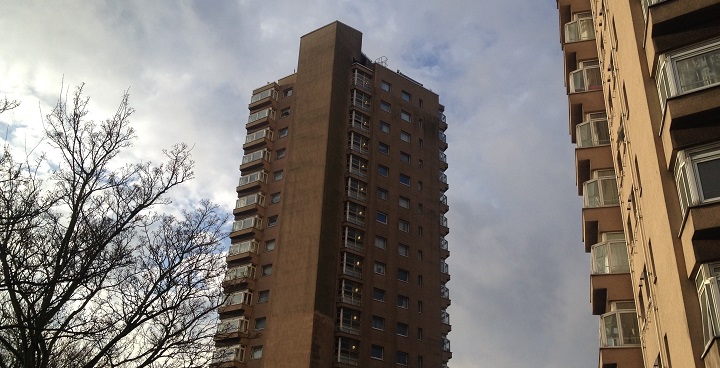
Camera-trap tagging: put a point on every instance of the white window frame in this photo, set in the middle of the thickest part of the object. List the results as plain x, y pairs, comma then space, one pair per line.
260, 134
270, 92
621, 334
264, 113
597, 128
247, 246
668, 76
687, 175
260, 176
606, 197
248, 200
581, 28
708, 289
610, 255
585, 68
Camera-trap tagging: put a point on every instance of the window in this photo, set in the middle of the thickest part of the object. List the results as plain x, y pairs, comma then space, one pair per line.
420, 142
280, 154
405, 136
420, 185
420, 306
403, 301
385, 86
586, 78
419, 334
384, 148
272, 221
277, 175
378, 323
697, 176
380, 242
384, 106
267, 270
404, 202
263, 95
405, 116
383, 171
379, 295
282, 133
420, 280
688, 70
260, 323
610, 255
402, 329
381, 217
420, 228
382, 194
403, 275
270, 245
420, 255
420, 208
405, 158
287, 92
602, 190
593, 131
404, 179
403, 250
263, 296
402, 358
420, 103
581, 28
404, 226
406, 96
706, 283
620, 326
379, 268
377, 352
384, 127
256, 352
285, 112
275, 198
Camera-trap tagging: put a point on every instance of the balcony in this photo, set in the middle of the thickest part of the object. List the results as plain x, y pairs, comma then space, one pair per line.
592, 133
362, 80
580, 29
357, 166
443, 140
249, 203
351, 265
619, 328
610, 257
445, 318
239, 275
239, 301
229, 356
350, 292
358, 143
252, 180
242, 250
444, 295
346, 351
443, 203
264, 97
442, 121
446, 352
444, 271
443, 160
361, 100
232, 328
585, 79
354, 213
443, 182
359, 121
667, 21
246, 226
258, 118
600, 192
353, 238
444, 230
348, 321
254, 159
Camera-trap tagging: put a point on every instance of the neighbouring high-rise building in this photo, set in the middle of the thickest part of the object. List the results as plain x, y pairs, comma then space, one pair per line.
643, 85
338, 249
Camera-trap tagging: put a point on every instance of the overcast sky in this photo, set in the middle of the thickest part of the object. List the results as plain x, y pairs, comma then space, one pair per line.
520, 278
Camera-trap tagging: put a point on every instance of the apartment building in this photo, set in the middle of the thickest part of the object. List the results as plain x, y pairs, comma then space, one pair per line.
338, 246
643, 85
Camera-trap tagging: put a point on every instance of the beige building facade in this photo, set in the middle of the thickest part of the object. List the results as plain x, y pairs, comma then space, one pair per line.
643, 84
337, 255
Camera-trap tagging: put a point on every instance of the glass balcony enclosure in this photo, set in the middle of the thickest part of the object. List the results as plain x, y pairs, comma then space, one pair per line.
271, 92
240, 297
445, 344
706, 283
260, 134
248, 200
355, 213
260, 176
235, 353
357, 166
356, 189
586, 78
358, 142
688, 70
610, 255
593, 131
444, 317
350, 292
620, 326
361, 100
233, 325
443, 243
348, 321
263, 154
346, 351
444, 292
697, 176
264, 113
351, 264
444, 267
442, 156
353, 238
580, 28
602, 190
248, 222
247, 246
240, 272
362, 79
359, 121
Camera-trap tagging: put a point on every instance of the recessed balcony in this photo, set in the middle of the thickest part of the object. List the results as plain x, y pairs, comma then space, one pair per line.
362, 80
350, 292
361, 100
348, 321
353, 238
359, 121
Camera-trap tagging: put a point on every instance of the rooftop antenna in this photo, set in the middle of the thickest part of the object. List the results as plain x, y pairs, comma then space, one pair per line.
382, 60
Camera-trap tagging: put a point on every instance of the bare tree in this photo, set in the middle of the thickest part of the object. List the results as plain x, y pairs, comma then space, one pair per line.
91, 275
